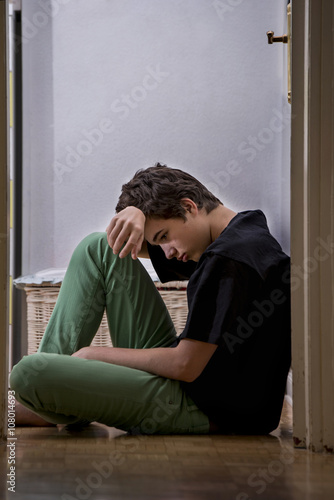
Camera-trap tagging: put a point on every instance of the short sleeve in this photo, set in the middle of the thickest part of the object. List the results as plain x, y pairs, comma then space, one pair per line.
218, 293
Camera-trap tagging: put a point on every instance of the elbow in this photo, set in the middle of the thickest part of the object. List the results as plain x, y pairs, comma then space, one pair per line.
189, 378
188, 373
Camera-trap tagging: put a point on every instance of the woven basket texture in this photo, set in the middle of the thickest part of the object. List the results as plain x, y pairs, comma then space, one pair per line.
41, 300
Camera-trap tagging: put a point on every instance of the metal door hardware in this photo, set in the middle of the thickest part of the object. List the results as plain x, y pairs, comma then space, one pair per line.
274, 39
284, 39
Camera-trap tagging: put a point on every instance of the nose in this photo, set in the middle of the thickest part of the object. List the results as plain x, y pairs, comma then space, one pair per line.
169, 250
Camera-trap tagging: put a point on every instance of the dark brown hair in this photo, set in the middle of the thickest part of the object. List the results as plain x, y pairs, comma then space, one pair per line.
157, 191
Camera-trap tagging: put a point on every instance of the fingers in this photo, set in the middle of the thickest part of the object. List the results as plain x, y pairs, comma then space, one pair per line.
133, 245
128, 248
118, 236
110, 234
126, 228
117, 233
134, 250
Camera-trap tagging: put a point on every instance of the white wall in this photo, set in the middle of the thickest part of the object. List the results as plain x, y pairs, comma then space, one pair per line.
189, 83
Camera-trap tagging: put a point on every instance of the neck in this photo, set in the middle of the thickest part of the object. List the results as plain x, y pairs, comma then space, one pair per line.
220, 218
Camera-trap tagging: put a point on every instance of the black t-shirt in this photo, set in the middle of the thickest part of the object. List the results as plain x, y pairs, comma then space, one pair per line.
239, 299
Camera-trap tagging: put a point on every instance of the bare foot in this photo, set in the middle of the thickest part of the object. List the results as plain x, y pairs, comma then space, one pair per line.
26, 418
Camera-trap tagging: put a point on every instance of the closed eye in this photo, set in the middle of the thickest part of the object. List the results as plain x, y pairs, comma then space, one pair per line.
163, 237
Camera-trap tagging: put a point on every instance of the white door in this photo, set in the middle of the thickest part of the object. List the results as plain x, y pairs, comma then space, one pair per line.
312, 223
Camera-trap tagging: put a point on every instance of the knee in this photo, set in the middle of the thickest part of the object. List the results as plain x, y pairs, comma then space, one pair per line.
95, 245
28, 372
92, 241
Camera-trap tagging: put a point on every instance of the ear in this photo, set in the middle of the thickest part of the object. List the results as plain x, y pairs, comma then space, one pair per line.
189, 205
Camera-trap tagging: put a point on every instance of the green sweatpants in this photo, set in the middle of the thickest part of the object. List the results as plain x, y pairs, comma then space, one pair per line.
68, 390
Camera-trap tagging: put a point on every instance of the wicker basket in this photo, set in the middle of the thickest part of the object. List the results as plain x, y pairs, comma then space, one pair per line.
41, 300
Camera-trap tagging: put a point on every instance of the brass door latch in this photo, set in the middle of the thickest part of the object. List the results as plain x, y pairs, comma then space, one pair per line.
273, 39
284, 39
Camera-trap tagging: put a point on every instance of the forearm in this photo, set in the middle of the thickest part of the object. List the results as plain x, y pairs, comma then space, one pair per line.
162, 361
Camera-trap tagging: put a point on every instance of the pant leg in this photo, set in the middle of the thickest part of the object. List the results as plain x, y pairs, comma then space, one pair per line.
63, 389
67, 390
97, 279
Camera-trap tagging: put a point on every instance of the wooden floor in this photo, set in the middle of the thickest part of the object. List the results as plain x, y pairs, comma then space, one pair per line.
102, 463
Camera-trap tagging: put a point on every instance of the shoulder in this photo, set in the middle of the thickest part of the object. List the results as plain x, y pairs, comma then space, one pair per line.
245, 228
248, 241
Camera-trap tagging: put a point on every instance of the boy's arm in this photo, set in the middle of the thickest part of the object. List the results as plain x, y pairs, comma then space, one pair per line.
127, 228
184, 362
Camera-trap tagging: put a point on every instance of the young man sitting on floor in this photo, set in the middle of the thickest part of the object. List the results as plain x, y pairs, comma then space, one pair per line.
225, 373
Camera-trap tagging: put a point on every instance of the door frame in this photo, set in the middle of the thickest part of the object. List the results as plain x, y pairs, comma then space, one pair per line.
312, 223
4, 222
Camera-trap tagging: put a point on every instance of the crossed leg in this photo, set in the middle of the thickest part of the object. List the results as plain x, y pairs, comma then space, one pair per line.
63, 389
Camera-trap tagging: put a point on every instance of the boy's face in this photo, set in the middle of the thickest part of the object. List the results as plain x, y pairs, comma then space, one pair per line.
184, 240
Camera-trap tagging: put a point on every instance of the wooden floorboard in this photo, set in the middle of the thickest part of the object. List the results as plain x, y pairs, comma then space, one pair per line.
101, 463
